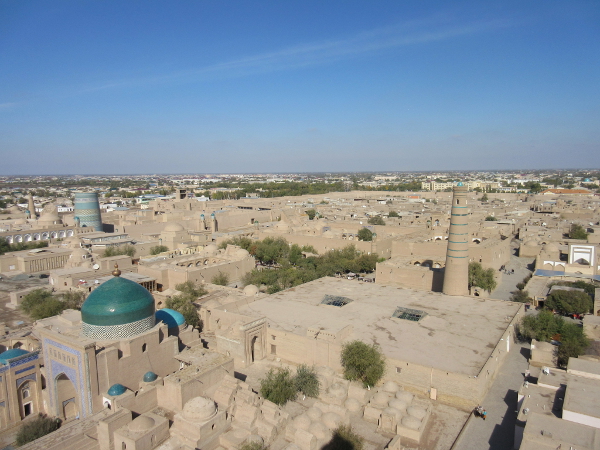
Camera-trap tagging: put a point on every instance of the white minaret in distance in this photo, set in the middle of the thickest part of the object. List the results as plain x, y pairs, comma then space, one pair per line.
456, 274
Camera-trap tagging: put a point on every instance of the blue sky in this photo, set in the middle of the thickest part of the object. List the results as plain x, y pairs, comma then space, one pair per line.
211, 86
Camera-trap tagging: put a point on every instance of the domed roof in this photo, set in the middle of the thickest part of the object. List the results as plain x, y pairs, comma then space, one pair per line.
116, 389
10, 354
141, 423
174, 226
199, 409
149, 377
530, 243
550, 247
117, 301
170, 317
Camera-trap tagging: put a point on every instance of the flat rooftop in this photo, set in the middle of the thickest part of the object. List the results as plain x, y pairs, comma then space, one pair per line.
457, 334
544, 432
582, 396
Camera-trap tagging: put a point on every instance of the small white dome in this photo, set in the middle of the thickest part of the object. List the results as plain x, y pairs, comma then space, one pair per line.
331, 420
411, 423
250, 290
141, 423
314, 413
416, 412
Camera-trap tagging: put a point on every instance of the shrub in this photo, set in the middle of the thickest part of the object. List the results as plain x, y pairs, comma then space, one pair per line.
35, 429
253, 445
158, 249
376, 221
307, 381
278, 387
344, 438
520, 296
183, 304
128, 250
222, 279
362, 362
491, 219
393, 214
311, 213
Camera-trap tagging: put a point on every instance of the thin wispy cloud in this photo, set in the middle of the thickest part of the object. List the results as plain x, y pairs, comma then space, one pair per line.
7, 105
319, 53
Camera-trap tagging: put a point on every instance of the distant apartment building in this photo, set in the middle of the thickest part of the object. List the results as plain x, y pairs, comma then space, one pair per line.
443, 185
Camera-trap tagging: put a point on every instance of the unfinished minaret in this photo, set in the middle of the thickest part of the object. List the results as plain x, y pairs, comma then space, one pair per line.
456, 274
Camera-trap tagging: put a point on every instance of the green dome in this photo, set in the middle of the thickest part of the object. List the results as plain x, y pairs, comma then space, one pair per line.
118, 301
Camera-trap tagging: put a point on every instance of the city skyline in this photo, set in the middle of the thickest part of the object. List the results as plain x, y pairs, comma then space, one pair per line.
299, 87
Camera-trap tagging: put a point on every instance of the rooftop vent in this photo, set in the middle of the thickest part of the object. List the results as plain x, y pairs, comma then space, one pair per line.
335, 300
413, 315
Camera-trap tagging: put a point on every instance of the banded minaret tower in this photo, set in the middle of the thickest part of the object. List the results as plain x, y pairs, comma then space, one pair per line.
456, 274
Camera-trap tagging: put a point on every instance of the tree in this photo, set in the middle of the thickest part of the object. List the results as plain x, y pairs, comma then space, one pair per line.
221, 279
569, 302
344, 438
480, 277
158, 249
73, 299
491, 219
393, 214
278, 387
364, 234
362, 362
484, 198
376, 220
184, 303
307, 381
577, 232
311, 213
35, 429
34, 299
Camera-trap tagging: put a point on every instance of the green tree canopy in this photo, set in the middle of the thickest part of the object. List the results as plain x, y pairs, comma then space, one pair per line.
480, 277
362, 362
577, 232
491, 219
364, 234
393, 214
547, 326
311, 213
569, 302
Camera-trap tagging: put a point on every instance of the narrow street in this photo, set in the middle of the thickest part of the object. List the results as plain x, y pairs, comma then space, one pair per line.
497, 431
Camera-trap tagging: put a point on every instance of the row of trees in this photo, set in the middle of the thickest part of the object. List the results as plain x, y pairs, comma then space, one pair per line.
18, 246
287, 266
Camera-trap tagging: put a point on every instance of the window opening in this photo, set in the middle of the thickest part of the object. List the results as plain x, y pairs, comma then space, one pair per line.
413, 315
335, 300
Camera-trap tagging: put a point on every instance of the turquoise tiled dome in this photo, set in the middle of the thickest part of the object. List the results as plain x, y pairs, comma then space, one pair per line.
170, 317
10, 354
150, 377
116, 302
118, 308
116, 389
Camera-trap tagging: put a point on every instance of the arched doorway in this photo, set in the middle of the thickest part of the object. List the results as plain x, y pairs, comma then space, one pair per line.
27, 401
66, 396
